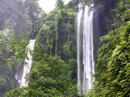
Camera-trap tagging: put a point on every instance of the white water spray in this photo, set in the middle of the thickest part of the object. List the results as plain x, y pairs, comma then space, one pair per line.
85, 49
27, 65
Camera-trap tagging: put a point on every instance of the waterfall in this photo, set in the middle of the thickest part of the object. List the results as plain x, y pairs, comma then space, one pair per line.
27, 65
85, 49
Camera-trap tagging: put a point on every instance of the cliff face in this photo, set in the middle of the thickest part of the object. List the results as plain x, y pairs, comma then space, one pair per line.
104, 8
112, 67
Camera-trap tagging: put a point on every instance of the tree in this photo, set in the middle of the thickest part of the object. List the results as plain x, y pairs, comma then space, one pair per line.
59, 4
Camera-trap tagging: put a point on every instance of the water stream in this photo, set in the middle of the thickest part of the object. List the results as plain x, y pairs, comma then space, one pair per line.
85, 49
27, 65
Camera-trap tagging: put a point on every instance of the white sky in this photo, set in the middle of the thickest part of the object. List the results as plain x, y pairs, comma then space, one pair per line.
48, 5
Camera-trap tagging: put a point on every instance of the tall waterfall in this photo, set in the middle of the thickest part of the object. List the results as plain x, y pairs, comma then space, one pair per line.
27, 65
85, 49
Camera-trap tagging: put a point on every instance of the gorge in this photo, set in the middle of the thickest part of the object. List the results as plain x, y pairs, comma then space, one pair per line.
78, 49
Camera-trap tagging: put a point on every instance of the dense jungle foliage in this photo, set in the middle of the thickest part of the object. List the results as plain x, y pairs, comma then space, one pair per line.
54, 70
17, 22
113, 62
54, 58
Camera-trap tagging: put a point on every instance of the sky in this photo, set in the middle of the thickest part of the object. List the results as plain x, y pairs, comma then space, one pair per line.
48, 5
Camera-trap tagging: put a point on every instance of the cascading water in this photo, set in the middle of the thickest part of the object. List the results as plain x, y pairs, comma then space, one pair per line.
27, 65
85, 49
